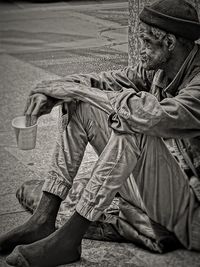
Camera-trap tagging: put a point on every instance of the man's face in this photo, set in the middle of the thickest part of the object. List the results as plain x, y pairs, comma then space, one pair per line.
153, 52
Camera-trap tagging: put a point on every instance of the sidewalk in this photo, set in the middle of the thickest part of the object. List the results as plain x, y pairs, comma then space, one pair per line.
45, 41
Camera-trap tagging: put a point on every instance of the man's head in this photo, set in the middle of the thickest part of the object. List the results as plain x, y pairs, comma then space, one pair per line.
167, 27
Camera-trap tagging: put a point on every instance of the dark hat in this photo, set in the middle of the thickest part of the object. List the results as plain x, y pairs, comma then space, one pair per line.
174, 16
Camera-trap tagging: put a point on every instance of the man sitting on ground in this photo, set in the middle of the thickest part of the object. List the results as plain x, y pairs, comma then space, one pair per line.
144, 123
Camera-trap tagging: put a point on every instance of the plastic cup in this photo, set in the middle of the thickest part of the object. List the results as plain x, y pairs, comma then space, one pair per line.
25, 136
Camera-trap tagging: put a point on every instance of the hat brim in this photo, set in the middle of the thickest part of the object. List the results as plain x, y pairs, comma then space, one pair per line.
184, 28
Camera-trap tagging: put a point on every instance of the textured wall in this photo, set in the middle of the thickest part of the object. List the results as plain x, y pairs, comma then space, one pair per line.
135, 6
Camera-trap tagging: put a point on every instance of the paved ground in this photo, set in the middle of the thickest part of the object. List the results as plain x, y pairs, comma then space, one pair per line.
41, 41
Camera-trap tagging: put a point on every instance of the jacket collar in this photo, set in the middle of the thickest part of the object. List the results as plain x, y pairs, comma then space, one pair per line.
161, 81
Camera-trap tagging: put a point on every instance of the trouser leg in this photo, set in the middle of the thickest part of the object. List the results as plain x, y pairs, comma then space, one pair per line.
132, 164
165, 192
139, 167
87, 124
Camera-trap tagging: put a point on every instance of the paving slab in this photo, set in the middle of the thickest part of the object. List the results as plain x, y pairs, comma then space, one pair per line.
13, 174
42, 22
114, 15
24, 6
9, 221
9, 204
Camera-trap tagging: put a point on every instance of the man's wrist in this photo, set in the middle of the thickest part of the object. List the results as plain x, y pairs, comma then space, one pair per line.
78, 93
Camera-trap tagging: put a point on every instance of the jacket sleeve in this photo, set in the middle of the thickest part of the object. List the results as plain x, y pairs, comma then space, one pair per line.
135, 78
175, 117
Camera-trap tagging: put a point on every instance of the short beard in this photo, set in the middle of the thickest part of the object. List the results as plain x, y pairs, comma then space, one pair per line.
160, 63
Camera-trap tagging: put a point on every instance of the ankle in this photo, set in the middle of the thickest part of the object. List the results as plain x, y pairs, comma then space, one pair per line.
41, 219
77, 226
47, 209
49, 203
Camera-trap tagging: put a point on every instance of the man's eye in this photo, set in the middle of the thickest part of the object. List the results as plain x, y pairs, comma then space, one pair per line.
147, 43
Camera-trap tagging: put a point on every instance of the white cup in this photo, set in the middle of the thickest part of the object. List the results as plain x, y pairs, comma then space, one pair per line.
25, 136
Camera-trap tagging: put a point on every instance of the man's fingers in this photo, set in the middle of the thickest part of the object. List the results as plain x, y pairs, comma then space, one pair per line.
33, 120
37, 108
30, 108
30, 117
28, 120
28, 113
33, 112
36, 112
28, 102
33, 108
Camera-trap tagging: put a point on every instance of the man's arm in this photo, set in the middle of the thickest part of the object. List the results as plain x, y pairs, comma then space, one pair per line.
94, 96
136, 78
176, 117
90, 88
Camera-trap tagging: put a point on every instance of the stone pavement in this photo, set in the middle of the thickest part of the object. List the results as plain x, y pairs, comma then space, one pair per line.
41, 41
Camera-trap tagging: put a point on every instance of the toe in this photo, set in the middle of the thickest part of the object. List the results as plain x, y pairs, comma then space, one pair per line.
17, 259
4, 248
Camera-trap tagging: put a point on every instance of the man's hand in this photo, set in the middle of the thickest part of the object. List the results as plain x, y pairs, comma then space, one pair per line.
37, 105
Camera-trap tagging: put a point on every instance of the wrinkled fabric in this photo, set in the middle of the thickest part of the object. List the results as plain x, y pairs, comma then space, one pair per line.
29, 194
90, 125
143, 103
139, 167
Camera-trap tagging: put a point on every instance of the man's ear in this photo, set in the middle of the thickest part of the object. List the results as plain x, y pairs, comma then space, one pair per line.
170, 41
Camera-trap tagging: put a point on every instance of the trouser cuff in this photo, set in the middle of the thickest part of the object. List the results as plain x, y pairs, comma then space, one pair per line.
88, 210
56, 187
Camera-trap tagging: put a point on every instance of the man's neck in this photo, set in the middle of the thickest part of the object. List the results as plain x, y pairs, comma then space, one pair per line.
175, 62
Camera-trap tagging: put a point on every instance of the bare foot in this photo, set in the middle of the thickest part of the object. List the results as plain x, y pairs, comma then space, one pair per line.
29, 232
51, 251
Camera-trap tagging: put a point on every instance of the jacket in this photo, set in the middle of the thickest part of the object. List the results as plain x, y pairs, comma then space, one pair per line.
143, 102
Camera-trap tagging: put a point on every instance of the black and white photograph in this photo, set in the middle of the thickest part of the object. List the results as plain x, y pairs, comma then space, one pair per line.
100, 133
